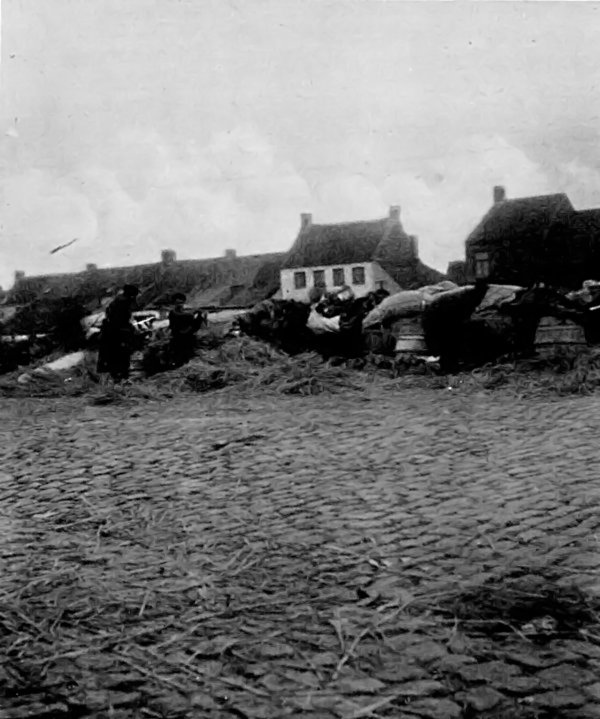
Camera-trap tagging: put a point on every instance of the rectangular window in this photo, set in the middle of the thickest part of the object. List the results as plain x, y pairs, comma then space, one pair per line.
358, 275
319, 278
338, 276
482, 264
299, 280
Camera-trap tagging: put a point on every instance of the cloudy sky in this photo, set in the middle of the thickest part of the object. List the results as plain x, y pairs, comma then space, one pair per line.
201, 125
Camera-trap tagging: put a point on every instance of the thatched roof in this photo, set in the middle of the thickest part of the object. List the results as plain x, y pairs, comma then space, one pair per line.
210, 282
531, 217
339, 244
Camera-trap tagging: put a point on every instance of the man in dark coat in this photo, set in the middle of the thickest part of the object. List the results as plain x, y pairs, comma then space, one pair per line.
117, 335
183, 325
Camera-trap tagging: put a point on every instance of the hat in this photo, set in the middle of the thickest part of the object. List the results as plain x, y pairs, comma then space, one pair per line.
130, 291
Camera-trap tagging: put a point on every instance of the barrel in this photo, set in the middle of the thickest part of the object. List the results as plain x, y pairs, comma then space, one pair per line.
409, 336
555, 336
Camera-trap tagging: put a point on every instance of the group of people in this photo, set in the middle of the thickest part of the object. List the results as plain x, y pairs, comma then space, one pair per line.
118, 335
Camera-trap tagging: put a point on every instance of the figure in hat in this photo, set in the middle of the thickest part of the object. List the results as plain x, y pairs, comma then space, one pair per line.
117, 335
183, 325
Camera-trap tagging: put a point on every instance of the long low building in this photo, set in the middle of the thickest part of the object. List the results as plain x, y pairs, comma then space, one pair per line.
225, 282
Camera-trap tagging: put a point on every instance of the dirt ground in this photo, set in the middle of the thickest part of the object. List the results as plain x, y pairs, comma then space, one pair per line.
223, 556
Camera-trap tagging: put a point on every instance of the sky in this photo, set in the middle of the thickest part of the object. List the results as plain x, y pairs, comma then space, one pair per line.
202, 125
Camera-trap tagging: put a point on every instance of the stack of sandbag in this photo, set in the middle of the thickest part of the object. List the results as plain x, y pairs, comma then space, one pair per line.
408, 303
490, 333
444, 317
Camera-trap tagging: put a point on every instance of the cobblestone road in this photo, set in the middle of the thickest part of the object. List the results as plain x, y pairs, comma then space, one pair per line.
203, 516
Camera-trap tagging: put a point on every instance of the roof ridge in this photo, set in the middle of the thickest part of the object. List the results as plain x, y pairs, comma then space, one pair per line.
347, 224
533, 197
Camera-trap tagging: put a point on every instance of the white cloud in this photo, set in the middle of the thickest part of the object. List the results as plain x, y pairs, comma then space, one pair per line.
145, 194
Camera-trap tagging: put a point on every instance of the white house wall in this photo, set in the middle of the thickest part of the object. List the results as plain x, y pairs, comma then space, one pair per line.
374, 274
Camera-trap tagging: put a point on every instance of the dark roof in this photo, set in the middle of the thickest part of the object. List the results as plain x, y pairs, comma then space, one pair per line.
216, 279
585, 222
532, 216
337, 244
415, 274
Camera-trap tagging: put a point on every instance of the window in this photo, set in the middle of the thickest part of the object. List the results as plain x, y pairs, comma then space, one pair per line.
482, 264
338, 276
299, 280
358, 275
319, 278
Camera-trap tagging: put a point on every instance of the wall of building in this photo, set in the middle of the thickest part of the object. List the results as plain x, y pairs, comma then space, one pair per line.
375, 277
382, 279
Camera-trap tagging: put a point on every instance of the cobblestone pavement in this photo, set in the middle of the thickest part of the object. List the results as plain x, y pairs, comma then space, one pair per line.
268, 550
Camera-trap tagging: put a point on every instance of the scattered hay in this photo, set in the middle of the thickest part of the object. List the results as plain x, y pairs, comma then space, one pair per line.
251, 365
223, 361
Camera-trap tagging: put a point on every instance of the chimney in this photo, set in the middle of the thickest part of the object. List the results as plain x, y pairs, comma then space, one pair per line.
414, 245
168, 257
19, 275
230, 254
91, 267
305, 220
395, 213
499, 194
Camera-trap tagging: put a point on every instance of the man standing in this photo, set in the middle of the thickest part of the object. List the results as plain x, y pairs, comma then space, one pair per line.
183, 325
117, 335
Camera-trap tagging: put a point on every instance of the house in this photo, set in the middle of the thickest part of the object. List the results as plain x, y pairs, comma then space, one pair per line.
534, 239
228, 282
365, 256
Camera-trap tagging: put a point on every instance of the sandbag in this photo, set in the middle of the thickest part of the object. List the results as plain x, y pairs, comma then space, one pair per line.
497, 294
408, 303
322, 325
463, 300
403, 304
444, 286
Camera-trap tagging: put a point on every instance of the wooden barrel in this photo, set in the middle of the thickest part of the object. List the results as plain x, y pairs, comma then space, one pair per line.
411, 344
555, 336
409, 336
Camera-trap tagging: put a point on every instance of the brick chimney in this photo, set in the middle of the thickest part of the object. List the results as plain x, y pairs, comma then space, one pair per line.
305, 220
19, 275
230, 254
168, 257
499, 194
395, 213
91, 267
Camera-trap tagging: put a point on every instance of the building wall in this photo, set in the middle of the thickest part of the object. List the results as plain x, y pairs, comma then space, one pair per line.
557, 259
383, 280
375, 277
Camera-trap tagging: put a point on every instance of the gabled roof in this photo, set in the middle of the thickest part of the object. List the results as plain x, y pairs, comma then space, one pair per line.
532, 216
338, 244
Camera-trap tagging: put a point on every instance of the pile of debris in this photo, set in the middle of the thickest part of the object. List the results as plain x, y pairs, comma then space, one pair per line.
465, 326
